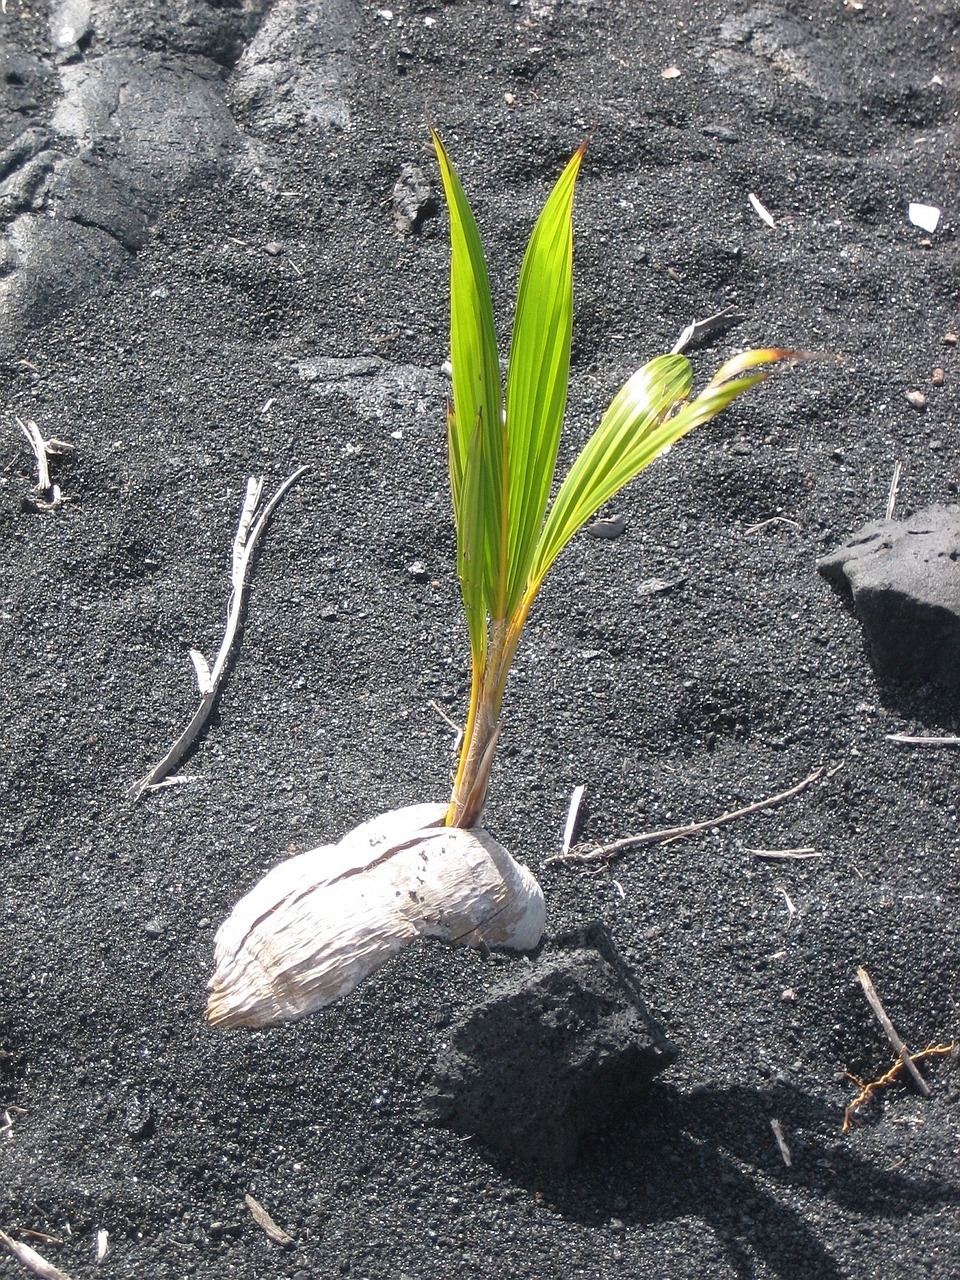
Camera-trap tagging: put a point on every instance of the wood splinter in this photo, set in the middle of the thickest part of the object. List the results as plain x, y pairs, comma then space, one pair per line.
784, 855
253, 521
910, 740
785, 1154
266, 1223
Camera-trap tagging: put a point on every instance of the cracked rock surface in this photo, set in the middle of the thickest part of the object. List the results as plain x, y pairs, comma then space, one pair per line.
136, 118
203, 278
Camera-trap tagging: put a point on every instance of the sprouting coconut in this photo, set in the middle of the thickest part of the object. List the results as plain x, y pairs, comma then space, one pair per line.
320, 922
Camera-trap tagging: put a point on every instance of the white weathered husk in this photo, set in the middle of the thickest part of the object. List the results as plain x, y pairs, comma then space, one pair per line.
320, 922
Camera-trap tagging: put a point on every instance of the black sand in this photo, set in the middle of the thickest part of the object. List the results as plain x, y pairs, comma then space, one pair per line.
188, 347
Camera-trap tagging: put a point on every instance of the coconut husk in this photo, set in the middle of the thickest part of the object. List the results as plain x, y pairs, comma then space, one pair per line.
318, 924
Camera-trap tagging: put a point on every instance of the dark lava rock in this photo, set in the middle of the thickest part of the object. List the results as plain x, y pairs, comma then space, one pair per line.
904, 580
414, 199
138, 1117
138, 115
552, 1056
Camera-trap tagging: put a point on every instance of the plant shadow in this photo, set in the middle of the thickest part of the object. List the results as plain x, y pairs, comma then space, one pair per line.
711, 1154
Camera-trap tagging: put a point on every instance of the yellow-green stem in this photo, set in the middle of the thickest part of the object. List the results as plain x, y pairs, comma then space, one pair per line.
489, 680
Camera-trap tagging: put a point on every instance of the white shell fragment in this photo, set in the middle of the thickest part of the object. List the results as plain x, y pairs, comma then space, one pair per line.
924, 216
762, 212
318, 924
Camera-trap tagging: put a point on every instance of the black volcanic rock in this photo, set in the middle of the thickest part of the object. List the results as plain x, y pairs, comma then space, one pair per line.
551, 1055
903, 577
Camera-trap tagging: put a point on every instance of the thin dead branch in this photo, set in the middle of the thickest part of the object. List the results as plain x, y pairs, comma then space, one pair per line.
46, 495
573, 813
894, 487
266, 1223
869, 1091
905, 739
698, 329
785, 855
873, 1000
756, 528
32, 1260
253, 521
781, 1142
667, 835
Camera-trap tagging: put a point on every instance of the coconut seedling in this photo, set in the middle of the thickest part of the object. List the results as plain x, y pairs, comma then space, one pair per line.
322, 921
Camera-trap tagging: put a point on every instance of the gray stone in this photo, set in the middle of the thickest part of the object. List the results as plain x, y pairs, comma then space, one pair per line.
414, 199
208, 28
903, 578
25, 84
393, 395
609, 527
129, 132
71, 25
551, 1056
296, 70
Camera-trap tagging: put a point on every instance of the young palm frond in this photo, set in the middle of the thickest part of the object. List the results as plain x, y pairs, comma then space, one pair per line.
503, 449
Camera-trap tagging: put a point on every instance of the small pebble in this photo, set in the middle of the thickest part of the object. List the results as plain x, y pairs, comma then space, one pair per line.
154, 928
274, 248
510, 99
788, 995
414, 199
938, 377
721, 133
138, 1119
949, 339
417, 570
917, 400
607, 527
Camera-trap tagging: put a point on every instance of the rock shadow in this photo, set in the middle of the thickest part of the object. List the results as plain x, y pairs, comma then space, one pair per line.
710, 1154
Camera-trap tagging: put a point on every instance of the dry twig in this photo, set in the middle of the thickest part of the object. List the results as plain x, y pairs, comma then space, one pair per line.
894, 487
573, 813
266, 1223
253, 521
905, 739
32, 1260
46, 495
873, 1000
869, 1091
781, 1143
697, 329
756, 528
607, 852
786, 855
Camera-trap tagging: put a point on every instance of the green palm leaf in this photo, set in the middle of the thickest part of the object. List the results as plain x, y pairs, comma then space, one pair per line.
537, 377
643, 419
475, 428
614, 454
502, 463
